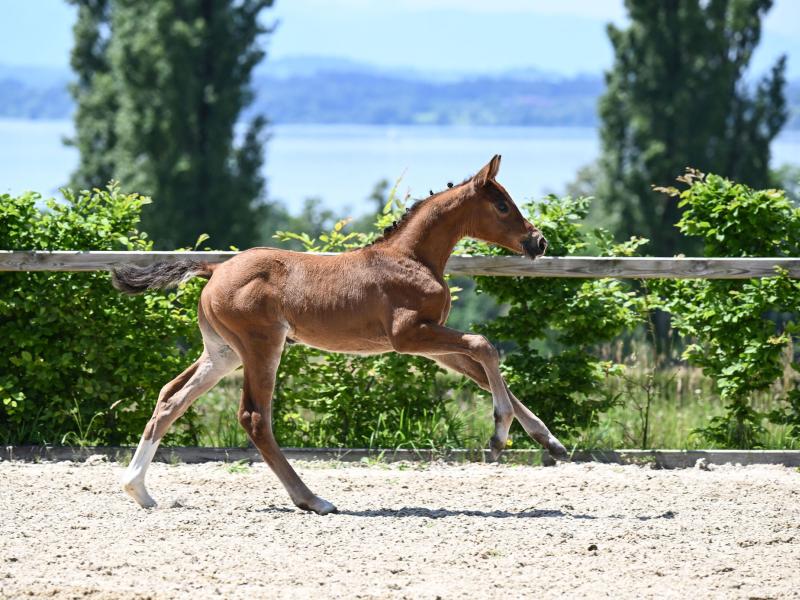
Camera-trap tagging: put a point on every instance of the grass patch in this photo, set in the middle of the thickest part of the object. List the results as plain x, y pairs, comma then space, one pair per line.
239, 466
683, 400
218, 415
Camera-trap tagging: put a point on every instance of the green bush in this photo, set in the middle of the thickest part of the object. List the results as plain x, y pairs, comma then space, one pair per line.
383, 401
732, 326
82, 363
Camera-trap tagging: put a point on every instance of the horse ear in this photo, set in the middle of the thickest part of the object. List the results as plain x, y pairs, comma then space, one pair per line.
488, 172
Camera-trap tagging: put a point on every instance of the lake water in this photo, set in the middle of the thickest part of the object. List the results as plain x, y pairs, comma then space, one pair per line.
341, 163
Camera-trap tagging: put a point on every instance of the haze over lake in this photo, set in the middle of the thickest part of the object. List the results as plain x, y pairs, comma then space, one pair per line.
341, 163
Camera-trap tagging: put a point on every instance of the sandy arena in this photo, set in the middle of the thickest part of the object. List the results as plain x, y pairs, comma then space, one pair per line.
404, 531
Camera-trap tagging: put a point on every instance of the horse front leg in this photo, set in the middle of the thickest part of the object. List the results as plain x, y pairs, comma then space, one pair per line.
434, 340
532, 424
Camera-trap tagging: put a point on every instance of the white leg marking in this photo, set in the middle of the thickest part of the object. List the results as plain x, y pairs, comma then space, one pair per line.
133, 479
219, 360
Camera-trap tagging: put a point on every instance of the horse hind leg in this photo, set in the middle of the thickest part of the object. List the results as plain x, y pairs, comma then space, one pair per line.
261, 359
217, 360
133, 479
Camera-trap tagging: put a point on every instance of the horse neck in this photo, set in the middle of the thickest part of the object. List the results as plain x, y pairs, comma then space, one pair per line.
434, 231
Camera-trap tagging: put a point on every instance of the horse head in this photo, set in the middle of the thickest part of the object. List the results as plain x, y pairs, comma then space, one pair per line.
496, 218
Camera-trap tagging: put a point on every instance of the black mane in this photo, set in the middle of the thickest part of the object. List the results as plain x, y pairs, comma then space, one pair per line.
410, 211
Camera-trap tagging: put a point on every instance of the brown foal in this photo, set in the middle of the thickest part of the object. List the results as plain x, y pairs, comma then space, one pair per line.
389, 296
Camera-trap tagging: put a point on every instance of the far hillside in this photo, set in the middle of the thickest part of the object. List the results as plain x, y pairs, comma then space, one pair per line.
311, 90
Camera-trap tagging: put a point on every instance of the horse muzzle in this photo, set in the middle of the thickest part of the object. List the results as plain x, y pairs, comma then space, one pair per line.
534, 246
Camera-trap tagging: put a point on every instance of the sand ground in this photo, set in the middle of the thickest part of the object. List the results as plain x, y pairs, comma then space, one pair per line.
403, 531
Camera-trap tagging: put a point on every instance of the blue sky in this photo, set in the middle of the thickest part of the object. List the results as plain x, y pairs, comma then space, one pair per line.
567, 36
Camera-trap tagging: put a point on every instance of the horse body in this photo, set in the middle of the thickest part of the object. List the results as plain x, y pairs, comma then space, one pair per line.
338, 303
389, 296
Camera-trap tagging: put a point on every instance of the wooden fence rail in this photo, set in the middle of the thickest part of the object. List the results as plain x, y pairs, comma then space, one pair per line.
515, 266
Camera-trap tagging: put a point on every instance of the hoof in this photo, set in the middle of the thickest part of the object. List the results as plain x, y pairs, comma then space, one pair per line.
496, 448
138, 492
319, 506
557, 450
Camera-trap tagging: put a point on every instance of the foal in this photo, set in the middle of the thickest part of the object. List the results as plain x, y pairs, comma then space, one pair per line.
389, 296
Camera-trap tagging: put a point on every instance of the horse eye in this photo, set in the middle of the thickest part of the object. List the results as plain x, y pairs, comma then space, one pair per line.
502, 207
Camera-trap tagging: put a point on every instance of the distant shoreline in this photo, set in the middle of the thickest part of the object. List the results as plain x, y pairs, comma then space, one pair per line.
383, 99
787, 131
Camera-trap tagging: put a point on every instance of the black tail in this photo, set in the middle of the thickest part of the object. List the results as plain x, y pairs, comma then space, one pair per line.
131, 279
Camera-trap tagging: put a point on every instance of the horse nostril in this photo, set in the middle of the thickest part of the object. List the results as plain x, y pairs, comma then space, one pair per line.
542, 244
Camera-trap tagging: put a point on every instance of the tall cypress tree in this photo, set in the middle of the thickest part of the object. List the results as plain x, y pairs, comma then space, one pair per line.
94, 95
180, 72
675, 98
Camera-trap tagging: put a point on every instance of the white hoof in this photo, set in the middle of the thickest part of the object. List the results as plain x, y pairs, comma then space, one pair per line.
133, 479
138, 492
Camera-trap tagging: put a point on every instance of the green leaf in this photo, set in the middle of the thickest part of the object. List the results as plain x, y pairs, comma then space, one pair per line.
200, 239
